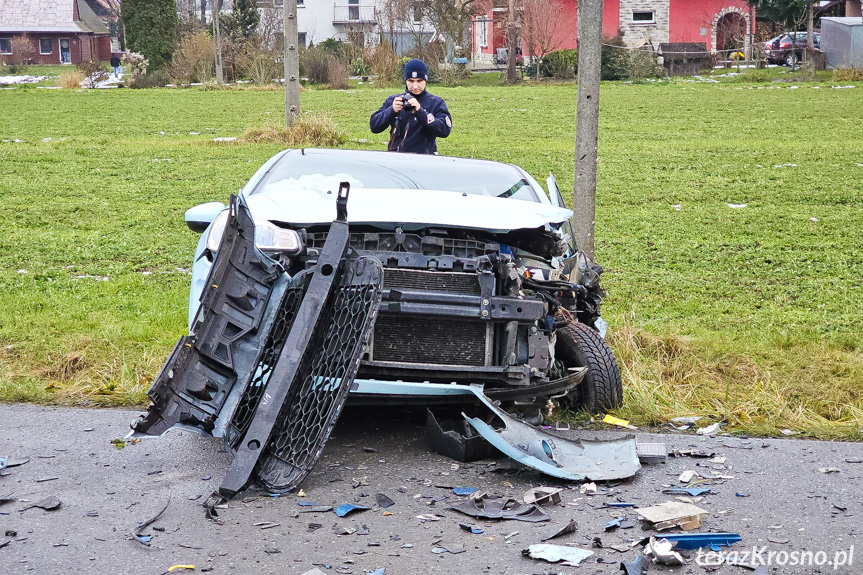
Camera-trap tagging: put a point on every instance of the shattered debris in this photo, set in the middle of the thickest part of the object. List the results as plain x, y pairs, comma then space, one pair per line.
570, 556
542, 495
673, 514
49, 503
660, 551
570, 527
137, 533
500, 508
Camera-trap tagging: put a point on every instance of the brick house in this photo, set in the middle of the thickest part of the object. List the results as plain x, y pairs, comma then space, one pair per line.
716, 24
60, 31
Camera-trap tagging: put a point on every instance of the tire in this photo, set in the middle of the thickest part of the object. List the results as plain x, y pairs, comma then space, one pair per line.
601, 389
792, 59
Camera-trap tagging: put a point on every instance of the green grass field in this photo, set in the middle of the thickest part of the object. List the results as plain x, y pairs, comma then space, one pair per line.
749, 314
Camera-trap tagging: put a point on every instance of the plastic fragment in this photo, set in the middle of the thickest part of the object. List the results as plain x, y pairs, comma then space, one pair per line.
660, 551
709, 430
449, 548
175, 567
384, 501
828, 469
378, 571
500, 508
635, 567
611, 420
570, 527
613, 524
698, 540
346, 508
557, 553
470, 528
693, 491
542, 495
464, 490
49, 503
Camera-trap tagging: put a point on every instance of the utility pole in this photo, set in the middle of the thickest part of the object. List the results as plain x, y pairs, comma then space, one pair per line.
292, 63
587, 123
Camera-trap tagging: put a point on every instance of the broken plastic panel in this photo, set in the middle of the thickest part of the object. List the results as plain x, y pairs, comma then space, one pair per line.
596, 460
269, 362
557, 553
500, 508
713, 541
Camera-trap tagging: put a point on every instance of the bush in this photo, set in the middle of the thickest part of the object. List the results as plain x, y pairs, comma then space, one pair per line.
383, 62
642, 64
847, 75
71, 80
258, 64
157, 79
314, 65
94, 72
22, 49
614, 59
337, 74
194, 59
136, 63
562, 64
753, 76
311, 130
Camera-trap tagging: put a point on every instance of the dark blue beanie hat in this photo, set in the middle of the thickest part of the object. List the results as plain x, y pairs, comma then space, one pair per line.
416, 69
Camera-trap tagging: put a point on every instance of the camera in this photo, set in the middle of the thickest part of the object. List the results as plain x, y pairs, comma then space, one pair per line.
405, 97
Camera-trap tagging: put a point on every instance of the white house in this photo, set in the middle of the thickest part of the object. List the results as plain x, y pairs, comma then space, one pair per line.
347, 20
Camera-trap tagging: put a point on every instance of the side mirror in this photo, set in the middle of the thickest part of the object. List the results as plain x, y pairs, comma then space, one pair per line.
199, 217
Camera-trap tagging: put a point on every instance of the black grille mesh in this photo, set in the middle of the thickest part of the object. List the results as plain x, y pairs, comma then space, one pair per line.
245, 411
412, 339
465, 283
324, 377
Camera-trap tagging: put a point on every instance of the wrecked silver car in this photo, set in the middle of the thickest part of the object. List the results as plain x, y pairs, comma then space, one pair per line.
437, 275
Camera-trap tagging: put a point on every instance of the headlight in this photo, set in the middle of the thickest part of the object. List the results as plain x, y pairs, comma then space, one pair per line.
268, 237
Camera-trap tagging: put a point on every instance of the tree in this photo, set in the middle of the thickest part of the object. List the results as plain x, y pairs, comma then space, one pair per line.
151, 28
246, 18
452, 17
541, 33
22, 49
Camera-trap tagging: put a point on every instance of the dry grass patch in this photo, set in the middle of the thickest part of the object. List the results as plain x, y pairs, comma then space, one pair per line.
847, 75
312, 130
666, 376
70, 80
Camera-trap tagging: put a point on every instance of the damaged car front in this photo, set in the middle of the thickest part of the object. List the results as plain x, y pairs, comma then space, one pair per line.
438, 275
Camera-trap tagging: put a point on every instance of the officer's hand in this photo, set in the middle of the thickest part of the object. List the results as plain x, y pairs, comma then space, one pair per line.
398, 104
414, 103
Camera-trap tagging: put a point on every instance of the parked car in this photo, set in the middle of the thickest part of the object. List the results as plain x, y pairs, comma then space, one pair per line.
788, 47
383, 277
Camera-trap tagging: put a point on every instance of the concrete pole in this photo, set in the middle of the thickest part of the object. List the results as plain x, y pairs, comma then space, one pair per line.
217, 38
292, 63
587, 123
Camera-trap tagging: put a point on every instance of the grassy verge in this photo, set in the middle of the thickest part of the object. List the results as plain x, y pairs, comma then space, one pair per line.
744, 313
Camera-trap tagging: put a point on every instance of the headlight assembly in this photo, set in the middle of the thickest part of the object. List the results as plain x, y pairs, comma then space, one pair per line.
268, 238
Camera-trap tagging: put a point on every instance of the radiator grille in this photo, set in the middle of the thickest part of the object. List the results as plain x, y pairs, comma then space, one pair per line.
463, 283
412, 339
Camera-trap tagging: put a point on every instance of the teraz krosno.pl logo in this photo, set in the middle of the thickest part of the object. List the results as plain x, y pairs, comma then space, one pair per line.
763, 556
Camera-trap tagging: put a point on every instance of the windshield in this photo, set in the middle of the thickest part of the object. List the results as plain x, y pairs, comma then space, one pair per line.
323, 170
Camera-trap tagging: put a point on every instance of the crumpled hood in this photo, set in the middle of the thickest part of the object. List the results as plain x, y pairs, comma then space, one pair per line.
408, 209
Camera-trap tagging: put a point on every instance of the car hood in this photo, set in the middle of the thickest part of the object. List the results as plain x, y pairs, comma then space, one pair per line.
407, 209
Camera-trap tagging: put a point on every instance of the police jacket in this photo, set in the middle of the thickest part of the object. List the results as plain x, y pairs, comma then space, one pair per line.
413, 132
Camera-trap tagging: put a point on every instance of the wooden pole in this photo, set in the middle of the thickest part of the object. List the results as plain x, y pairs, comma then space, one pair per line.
292, 63
587, 123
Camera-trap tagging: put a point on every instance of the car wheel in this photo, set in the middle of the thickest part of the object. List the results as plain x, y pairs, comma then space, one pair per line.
601, 389
792, 59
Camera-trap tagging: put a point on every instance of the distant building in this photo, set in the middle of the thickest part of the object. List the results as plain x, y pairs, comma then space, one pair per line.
719, 25
353, 21
60, 31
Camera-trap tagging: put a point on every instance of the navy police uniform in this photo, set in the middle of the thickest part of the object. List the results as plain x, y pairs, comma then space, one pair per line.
410, 131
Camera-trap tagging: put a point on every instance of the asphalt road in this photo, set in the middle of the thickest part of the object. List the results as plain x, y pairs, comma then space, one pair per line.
785, 504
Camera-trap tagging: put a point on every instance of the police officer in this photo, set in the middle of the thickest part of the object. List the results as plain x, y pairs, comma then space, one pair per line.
415, 118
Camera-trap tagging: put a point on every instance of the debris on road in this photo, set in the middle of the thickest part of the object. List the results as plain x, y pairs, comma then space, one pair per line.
542, 495
470, 528
688, 541
635, 567
464, 490
688, 475
49, 503
16, 461
651, 453
570, 556
611, 420
383, 500
828, 469
570, 527
138, 531
500, 508
709, 430
673, 514
691, 491
660, 551
346, 508
456, 439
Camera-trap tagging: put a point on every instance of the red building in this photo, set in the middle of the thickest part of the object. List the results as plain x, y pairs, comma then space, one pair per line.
717, 24
59, 31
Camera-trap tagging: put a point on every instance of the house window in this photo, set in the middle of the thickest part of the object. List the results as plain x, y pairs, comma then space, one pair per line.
418, 12
5, 45
644, 17
46, 46
482, 32
301, 39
